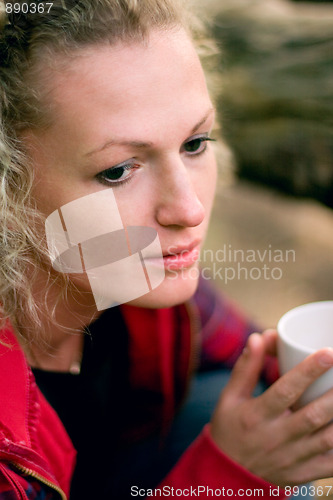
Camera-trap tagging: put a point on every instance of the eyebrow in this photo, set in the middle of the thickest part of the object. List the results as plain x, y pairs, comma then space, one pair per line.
140, 144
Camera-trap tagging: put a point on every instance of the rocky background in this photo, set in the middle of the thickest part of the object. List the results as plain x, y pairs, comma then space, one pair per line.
277, 102
276, 109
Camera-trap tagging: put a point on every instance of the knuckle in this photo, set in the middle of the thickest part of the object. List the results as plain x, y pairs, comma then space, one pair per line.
249, 420
285, 393
285, 462
314, 417
313, 370
226, 403
327, 441
270, 443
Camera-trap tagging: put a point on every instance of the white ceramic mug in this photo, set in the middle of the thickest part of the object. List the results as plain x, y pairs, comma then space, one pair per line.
302, 331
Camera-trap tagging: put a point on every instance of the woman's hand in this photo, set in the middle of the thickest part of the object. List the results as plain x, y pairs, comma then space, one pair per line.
263, 434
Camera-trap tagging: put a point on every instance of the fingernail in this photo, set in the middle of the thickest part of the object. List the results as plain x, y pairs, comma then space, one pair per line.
327, 359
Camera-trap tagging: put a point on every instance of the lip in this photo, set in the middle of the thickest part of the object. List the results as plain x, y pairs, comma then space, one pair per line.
177, 257
181, 256
181, 260
173, 250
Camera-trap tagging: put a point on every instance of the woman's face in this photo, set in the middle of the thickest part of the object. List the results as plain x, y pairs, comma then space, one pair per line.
135, 118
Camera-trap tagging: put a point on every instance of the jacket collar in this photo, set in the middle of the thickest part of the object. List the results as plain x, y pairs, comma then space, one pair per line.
15, 388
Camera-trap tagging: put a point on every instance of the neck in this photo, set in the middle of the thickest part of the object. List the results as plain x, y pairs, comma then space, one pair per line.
58, 345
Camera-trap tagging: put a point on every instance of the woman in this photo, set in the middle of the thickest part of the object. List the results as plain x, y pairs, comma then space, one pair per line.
105, 105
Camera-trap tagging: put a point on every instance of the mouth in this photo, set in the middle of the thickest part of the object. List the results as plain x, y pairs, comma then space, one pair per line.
176, 257
181, 256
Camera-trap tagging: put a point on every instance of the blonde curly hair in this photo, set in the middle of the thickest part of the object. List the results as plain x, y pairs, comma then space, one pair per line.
26, 41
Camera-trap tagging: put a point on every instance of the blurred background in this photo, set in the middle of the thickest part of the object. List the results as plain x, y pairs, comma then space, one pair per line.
276, 110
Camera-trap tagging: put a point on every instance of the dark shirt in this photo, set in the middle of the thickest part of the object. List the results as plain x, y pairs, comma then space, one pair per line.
94, 405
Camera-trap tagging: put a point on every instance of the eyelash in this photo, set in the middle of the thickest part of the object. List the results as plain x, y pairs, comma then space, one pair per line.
132, 166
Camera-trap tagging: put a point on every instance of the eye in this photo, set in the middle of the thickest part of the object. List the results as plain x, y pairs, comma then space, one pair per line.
117, 175
196, 145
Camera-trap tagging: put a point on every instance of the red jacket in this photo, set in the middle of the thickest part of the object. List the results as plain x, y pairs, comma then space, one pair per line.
36, 455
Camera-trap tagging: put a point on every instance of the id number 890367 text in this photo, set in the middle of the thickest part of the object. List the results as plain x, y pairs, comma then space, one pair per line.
28, 7
309, 490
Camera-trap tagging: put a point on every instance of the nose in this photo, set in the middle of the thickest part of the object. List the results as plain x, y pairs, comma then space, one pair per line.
178, 203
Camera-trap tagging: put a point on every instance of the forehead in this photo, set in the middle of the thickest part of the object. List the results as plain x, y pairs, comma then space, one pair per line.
128, 86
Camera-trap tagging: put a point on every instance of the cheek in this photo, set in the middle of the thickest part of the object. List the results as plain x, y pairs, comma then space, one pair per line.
135, 202
53, 192
49, 190
205, 183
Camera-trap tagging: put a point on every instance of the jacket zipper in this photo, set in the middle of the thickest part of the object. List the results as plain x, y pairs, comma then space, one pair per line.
40, 478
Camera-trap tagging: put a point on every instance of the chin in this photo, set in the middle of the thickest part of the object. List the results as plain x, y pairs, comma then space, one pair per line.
177, 288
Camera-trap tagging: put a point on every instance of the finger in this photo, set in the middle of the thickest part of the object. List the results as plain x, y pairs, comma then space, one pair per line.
313, 416
270, 339
246, 372
320, 442
318, 467
288, 389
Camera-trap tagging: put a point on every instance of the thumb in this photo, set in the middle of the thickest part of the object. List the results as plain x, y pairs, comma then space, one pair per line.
246, 372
